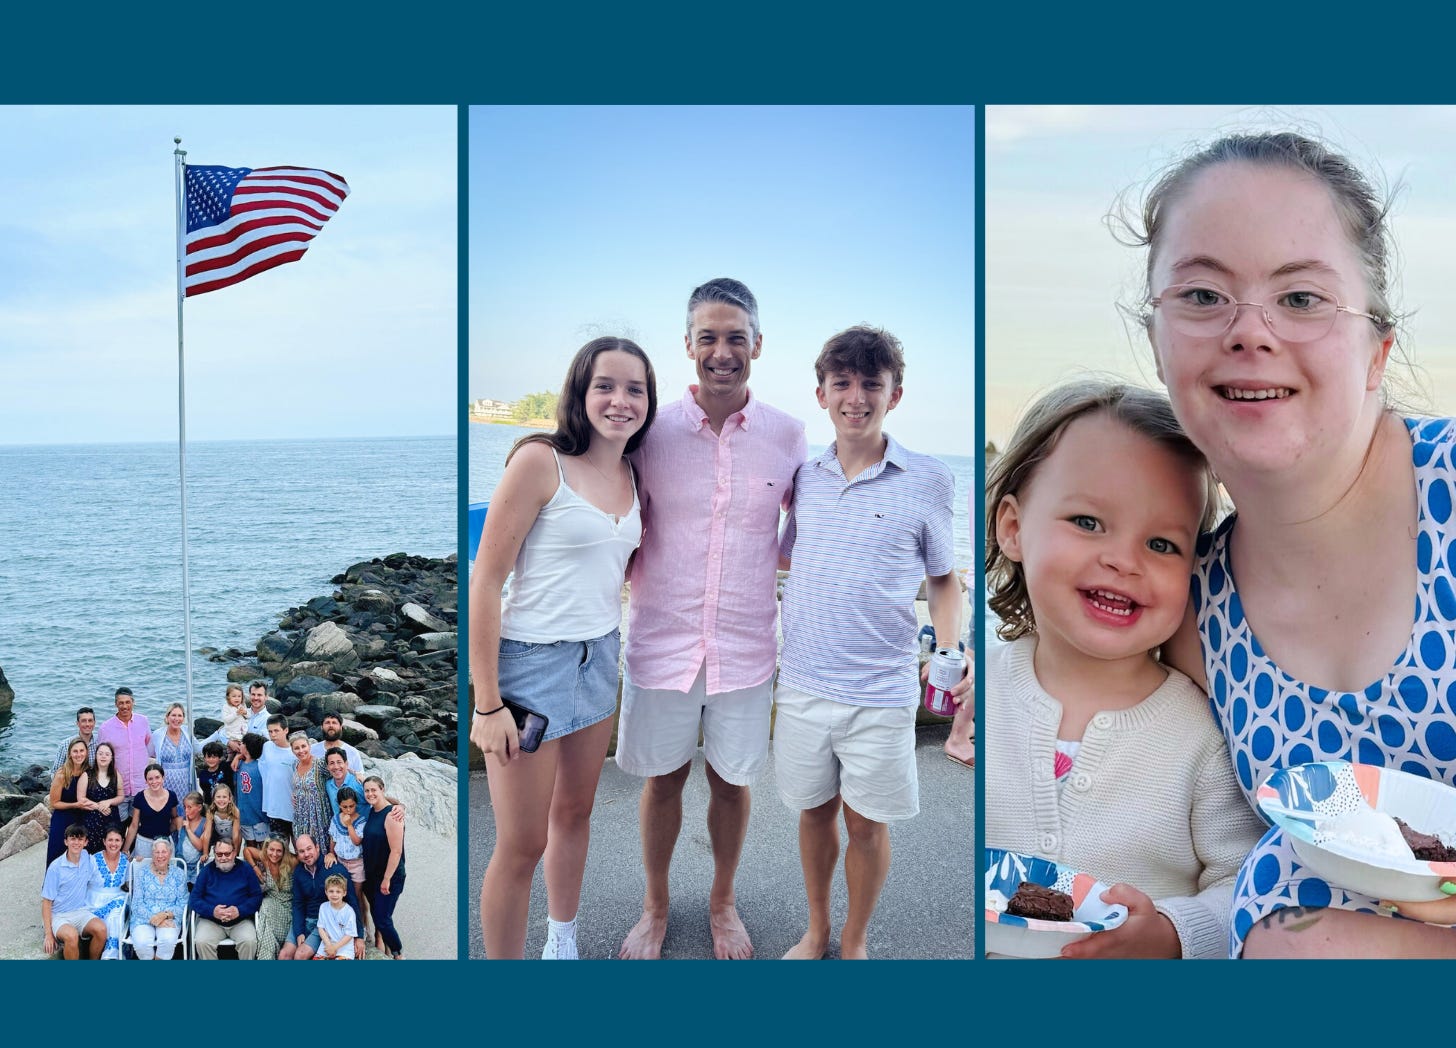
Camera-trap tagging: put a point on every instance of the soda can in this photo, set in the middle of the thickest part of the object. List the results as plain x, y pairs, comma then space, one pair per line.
947, 667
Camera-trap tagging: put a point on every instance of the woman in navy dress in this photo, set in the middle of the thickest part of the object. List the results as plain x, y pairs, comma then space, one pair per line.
383, 865
69, 783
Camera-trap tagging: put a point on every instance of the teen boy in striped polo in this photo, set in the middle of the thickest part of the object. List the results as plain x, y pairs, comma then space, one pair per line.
870, 520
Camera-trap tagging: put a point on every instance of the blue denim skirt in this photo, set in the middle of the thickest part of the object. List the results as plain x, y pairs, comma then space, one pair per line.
572, 683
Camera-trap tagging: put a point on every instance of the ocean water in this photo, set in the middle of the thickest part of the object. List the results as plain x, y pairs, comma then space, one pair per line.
489, 444
91, 573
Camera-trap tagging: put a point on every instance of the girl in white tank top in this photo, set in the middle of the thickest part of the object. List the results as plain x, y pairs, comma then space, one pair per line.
561, 526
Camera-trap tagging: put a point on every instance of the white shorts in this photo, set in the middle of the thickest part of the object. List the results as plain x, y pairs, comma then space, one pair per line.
77, 919
658, 729
865, 754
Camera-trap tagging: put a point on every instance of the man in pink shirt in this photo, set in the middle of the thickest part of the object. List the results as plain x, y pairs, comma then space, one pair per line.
712, 476
129, 735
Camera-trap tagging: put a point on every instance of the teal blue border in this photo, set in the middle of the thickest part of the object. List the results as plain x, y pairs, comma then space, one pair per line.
450, 54
978, 525
462, 524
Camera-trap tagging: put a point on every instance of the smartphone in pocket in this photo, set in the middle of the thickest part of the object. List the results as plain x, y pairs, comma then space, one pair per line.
530, 726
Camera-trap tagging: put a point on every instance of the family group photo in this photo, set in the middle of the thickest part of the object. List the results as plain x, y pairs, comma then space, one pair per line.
711, 574
1218, 684
228, 722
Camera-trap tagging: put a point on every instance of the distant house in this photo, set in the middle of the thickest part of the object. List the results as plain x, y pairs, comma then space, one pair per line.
490, 410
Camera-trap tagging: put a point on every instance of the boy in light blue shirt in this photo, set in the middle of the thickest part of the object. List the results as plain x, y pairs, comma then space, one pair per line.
871, 521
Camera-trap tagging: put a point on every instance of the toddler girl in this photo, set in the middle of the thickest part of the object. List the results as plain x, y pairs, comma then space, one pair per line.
234, 718
1099, 756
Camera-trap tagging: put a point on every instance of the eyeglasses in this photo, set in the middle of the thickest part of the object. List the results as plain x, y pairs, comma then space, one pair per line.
1300, 315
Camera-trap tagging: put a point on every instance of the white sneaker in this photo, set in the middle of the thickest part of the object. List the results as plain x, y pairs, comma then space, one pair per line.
561, 948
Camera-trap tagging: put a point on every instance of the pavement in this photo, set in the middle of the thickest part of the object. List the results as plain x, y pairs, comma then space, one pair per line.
925, 911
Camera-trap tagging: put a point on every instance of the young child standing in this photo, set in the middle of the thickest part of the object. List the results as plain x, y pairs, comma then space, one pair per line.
1102, 757
337, 927
346, 837
871, 521
214, 770
227, 824
194, 835
249, 798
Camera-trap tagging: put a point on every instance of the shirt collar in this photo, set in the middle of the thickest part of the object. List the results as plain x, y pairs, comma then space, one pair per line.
895, 455
698, 418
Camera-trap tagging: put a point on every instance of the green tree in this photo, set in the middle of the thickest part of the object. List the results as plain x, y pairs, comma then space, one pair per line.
534, 405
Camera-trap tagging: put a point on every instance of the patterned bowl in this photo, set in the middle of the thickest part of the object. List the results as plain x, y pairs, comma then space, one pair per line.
1011, 936
1303, 799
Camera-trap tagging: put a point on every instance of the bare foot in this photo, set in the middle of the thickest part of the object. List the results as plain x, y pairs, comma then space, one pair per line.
810, 948
849, 952
964, 753
644, 941
730, 938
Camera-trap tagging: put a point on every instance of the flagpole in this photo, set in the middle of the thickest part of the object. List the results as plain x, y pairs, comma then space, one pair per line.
181, 165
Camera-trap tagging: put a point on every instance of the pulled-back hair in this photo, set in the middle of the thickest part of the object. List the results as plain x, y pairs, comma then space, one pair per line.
1363, 211
1141, 410
573, 432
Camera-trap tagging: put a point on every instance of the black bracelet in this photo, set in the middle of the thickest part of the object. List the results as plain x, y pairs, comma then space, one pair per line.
486, 713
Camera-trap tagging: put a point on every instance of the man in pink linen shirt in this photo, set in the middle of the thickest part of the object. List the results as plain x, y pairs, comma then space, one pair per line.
129, 735
712, 475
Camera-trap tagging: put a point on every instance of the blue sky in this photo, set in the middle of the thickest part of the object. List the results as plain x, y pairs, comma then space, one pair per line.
1054, 273
356, 339
601, 220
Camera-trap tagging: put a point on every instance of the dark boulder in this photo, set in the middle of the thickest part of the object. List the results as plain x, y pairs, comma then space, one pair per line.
304, 685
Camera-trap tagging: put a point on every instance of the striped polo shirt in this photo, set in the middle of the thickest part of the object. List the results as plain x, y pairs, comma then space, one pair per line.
860, 549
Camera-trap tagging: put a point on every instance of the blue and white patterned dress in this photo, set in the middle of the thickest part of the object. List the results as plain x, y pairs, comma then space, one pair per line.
1403, 720
176, 759
106, 898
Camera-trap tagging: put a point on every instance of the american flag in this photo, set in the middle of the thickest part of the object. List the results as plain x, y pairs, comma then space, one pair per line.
243, 220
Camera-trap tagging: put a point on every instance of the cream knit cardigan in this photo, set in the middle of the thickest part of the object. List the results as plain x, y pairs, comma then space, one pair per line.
1151, 801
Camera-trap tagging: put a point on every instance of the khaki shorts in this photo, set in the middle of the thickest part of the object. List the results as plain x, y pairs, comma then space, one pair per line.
865, 754
658, 730
77, 919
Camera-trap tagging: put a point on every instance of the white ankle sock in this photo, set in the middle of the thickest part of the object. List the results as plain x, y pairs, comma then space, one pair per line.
560, 941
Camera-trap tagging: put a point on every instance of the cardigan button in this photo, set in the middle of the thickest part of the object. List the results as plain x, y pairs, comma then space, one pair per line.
1103, 720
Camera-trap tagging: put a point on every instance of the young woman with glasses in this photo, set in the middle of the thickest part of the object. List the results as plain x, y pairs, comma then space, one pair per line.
1268, 309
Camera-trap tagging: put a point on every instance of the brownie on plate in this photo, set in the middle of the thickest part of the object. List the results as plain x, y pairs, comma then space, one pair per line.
1426, 846
1040, 903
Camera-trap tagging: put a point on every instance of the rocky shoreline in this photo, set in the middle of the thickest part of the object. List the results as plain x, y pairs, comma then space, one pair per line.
380, 652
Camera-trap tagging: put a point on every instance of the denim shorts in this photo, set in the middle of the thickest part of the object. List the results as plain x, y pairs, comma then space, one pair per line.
572, 683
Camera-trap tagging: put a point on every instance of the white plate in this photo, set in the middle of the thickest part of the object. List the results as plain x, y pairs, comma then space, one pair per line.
1298, 799
1011, 936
